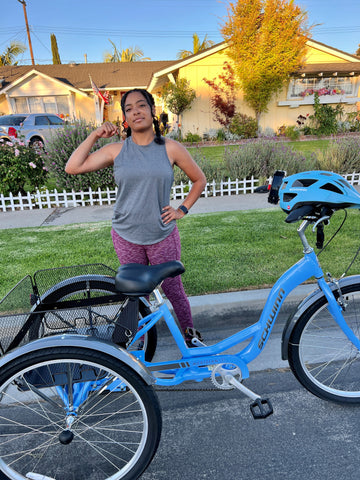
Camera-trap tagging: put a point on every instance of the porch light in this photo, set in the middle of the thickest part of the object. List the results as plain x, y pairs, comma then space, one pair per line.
320, 74
335, 74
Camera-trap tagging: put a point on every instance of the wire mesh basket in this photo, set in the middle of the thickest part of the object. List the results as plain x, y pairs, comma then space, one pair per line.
78, 300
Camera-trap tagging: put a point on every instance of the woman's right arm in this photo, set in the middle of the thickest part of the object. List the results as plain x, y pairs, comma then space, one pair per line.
81, 161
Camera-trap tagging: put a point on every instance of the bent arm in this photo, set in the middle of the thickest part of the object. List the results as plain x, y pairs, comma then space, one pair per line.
82, 161
182, 158
179, 156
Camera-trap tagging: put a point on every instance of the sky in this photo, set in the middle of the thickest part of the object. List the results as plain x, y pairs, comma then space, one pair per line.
160, 28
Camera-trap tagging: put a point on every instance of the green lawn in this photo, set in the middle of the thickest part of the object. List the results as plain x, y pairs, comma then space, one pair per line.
221, 251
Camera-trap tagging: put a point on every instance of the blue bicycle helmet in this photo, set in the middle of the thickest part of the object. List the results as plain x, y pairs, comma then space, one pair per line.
317, 188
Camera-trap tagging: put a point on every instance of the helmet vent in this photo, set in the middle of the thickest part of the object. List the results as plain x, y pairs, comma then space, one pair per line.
331, 188
289, 196
304, 182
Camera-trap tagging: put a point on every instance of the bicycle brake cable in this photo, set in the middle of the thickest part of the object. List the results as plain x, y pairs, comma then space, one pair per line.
334, 235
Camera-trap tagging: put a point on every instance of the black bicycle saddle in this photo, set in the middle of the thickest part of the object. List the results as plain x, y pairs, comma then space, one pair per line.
134, 279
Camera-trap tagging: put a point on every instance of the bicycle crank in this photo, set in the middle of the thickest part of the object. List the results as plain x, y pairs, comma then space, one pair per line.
223, 376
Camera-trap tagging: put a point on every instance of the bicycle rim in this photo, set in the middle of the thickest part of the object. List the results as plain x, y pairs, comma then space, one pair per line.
55, 425
324, 360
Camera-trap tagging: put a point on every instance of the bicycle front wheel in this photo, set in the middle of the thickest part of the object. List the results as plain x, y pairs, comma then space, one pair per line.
321, 357
71, 413
103, 316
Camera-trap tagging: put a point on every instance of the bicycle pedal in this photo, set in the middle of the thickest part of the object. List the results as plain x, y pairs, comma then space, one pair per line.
261, 408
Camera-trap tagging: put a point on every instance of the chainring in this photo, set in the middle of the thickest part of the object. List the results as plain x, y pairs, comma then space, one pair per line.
223, 370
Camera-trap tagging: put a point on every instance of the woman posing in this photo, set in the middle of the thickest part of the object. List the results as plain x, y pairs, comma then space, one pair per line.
144, 226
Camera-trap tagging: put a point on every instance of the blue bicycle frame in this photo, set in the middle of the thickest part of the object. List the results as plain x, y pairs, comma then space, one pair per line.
196, 363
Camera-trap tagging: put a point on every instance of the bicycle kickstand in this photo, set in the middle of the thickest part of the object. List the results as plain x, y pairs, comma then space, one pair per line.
261, 407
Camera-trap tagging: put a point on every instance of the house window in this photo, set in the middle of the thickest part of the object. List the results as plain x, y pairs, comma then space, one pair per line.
301, 87
51, 104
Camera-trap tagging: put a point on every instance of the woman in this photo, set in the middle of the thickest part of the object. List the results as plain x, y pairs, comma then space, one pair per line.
144, 223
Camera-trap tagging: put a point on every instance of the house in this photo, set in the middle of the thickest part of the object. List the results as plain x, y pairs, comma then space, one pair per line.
67, 90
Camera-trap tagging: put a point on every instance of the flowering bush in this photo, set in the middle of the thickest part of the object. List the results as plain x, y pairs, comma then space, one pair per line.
322, 91
21, 168
59, 150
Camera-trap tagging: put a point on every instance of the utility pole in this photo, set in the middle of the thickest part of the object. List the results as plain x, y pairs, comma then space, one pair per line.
28, 31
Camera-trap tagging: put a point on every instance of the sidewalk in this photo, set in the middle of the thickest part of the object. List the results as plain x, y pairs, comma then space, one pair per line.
65, 216
223, 308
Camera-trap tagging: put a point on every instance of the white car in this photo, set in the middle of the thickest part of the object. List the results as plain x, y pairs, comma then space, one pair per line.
34, 128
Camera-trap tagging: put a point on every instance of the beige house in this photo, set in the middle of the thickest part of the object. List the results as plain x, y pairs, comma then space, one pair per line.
66, 89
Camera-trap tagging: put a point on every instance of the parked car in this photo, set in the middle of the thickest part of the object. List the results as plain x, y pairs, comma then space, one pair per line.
34, 128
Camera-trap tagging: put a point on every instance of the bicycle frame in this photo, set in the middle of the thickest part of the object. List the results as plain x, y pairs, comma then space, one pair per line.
197, 363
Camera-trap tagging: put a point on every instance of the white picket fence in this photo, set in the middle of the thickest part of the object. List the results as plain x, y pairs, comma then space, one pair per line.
55, 198
51, 199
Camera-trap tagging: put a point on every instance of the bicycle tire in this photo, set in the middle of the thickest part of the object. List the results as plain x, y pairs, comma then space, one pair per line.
321, 357
83, 288
91, 434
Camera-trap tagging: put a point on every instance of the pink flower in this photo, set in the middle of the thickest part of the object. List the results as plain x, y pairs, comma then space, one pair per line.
32, 164
17, 153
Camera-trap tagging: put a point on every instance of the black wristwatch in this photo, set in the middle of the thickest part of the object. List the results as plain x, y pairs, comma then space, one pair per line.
183, 209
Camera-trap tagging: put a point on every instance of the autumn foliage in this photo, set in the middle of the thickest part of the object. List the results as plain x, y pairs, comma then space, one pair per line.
267, 43
223, 95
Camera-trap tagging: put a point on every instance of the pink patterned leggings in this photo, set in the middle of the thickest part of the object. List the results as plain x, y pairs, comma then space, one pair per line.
164, 251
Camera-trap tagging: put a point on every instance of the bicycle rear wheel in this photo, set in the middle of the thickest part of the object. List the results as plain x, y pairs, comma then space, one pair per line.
86, 291
71, 413
321, 356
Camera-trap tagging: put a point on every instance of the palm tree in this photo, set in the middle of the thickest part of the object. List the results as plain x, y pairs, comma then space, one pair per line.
8, 56
131, 54
197, 47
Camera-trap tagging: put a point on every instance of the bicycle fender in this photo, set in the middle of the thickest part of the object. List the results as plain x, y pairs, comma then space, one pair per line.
304, 305
81, 342
78, 280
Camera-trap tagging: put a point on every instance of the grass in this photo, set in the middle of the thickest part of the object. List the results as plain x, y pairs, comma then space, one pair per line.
222, 252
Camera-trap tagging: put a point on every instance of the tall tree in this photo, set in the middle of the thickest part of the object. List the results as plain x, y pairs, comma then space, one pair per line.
178, 96
267, 43
8, 56
54, 50
358, 51
131, 54
197, 46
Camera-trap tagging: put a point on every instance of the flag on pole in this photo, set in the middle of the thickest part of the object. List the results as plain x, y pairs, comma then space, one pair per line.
97, 91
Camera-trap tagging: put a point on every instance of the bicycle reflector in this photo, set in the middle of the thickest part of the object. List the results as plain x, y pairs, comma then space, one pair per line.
275, 186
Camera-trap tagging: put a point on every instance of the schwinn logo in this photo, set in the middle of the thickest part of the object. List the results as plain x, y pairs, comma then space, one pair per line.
270, 321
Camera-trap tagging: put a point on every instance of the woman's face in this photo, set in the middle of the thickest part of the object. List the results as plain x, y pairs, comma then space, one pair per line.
138, 112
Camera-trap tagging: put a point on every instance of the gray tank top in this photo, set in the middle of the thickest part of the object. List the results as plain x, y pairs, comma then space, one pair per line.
144, 176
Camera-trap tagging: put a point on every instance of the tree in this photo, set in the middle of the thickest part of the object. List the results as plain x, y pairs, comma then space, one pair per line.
267, 43
223, 96
358, 51
131, 54
8, 56
54, 50
178, 96
197, 47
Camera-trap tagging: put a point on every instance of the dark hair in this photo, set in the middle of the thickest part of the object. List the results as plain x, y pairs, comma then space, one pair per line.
151, 102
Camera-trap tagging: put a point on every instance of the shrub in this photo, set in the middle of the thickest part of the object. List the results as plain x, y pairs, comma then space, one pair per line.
21, 168
213, 169
261, 158
325, 117
192, 138
243, 126
59, 150
292, 132
341, 156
